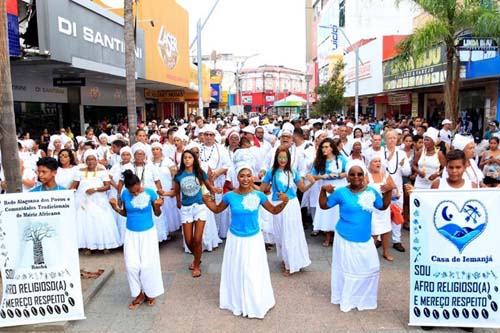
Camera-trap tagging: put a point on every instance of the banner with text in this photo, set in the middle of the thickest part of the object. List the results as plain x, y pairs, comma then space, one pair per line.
455, 258
39, 259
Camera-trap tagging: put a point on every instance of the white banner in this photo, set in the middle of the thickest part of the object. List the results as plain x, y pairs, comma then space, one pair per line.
455, 258
39, 258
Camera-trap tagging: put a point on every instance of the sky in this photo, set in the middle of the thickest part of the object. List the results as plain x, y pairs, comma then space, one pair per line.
275, 29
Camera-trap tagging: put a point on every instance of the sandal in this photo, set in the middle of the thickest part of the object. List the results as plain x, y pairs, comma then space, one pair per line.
137, 301
150, 301
286, 273
326, 244
196, 273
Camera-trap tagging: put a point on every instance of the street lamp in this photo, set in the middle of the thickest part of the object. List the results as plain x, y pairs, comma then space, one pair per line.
197, 39
356, 67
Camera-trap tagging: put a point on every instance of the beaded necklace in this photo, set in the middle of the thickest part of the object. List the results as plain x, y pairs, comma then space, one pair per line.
397, 163
141, 178
86, 174
209, 156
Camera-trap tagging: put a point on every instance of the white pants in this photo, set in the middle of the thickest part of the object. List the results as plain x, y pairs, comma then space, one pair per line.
142, 259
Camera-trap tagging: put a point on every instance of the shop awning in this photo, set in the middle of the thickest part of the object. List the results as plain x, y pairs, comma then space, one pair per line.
290, 101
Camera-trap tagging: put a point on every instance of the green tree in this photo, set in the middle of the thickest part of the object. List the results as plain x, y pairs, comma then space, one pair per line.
448, 21
331, 94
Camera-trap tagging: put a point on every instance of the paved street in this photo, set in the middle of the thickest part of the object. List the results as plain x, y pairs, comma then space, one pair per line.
191, 305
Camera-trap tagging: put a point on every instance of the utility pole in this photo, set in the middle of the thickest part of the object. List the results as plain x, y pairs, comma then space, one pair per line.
130, 68
8, 137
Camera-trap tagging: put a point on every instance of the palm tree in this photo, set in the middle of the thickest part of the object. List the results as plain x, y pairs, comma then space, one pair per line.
8, 137
130, 68
448, 21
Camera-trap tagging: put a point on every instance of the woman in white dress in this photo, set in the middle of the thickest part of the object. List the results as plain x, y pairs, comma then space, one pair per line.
472, 171
167, 170
379, 179
429, 163
291, 245
355, 262
115, 175
150, 178
95, 220
67, 170
328, 168
245, 286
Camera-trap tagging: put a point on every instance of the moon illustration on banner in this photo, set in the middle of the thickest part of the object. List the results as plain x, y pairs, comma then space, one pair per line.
446, 217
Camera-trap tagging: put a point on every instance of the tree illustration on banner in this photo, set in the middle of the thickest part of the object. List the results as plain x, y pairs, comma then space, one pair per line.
36, 233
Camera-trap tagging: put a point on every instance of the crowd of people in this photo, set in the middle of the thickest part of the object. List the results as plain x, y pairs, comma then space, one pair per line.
346, 178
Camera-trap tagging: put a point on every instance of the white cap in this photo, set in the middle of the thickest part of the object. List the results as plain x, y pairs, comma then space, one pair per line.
208, 129
350, 125
446, 122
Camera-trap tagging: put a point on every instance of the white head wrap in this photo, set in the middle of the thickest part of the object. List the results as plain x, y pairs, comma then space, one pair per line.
138, 146
249, 129
154, 137
156, 145
243, 159
103, 135
460, 141
192, 145
318, 133
356, 163
432, 134
287, 129
126, 149
89, 152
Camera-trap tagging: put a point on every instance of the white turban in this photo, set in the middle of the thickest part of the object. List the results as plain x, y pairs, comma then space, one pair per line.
156, 145
88, 153
356, 163
154, 137
460, 141
432, 134
103, 135
180, 134
125, 149
193, 145
138, 146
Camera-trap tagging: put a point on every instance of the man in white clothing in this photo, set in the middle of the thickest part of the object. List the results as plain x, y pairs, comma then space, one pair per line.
445, 132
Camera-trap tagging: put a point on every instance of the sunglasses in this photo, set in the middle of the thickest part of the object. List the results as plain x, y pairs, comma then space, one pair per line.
356, 174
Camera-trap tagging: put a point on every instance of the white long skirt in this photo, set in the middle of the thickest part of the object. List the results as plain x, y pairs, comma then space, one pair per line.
245, 285
291, 245
97, 229
142, 260
381, 221
326, 219
355, 274
266, 224
161, 226
173, 217
210, 239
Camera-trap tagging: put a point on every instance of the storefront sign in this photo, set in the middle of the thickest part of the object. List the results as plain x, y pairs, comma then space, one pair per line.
270, 98
37, 89
426, 71
398, 99
13, 28
97, 94
455, 259
167, 45
477, 44
39, 259
246, 99
82, 34
68, 82
164, 95
215, 92
364, 72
